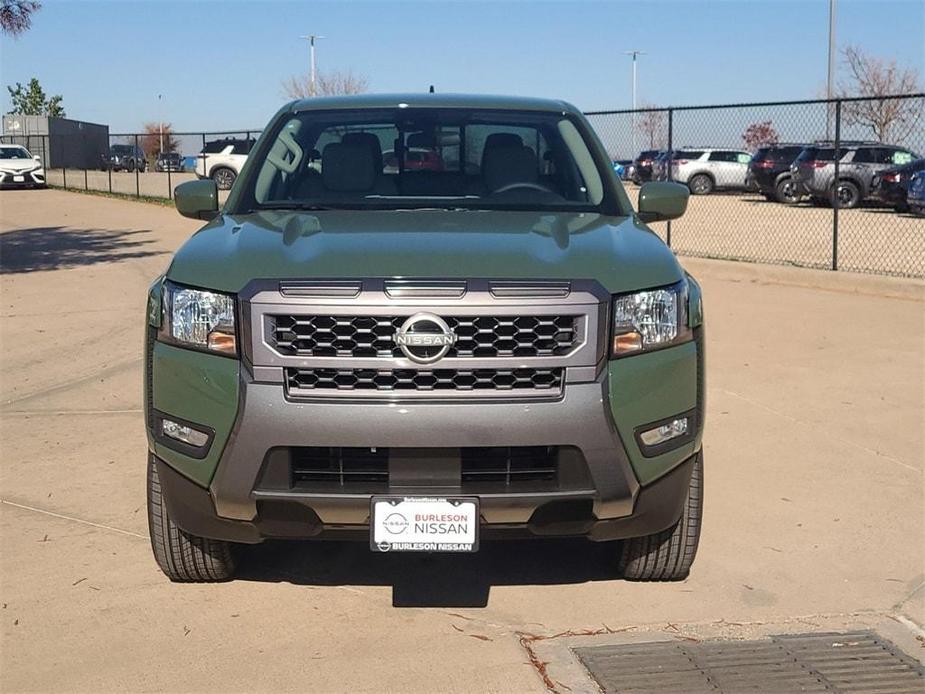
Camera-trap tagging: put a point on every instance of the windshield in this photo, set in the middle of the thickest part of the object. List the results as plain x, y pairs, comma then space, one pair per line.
121, 149
14, 153
400, 159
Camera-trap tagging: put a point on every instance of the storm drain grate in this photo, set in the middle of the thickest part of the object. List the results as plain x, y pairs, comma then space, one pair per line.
859, 661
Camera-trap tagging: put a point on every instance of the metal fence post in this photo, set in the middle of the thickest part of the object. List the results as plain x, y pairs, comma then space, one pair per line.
64, 176
836, 202
45, 161
169, 187
203, 157
137, 170
86, 180
668, 167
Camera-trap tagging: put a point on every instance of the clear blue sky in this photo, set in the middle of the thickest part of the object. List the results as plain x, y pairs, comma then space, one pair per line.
220, 64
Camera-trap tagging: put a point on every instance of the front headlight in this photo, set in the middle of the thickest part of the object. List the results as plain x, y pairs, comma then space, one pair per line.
199, 319
650, 319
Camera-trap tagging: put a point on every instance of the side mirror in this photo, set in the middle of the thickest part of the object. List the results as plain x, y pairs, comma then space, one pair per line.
37, 158
661, 201
197, 199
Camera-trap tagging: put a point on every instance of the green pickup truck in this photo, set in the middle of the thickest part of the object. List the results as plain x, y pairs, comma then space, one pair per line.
482, 341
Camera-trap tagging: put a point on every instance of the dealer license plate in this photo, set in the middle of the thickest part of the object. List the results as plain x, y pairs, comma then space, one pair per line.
424, 524
19, 179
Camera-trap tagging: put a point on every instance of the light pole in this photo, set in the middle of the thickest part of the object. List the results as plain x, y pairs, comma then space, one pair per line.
160, 118
830, 78
311, 41
634, 53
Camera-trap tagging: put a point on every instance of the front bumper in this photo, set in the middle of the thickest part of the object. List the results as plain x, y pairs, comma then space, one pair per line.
26, 179
656, 507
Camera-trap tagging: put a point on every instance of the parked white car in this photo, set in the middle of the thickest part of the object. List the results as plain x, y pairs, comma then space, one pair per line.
222, 160
706, 170
20, 169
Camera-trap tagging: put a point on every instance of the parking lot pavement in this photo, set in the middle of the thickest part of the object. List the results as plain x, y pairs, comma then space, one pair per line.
814, 494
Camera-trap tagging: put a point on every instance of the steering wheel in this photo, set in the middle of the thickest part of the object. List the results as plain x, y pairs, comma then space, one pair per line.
530, 186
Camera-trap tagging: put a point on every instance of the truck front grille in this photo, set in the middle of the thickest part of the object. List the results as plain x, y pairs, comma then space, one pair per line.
305, 381
373, 336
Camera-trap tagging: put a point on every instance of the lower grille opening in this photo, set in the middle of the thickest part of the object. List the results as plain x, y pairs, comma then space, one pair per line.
341, 466
510, 464
468, 470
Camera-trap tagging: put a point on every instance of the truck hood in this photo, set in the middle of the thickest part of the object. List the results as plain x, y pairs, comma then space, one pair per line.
619, 252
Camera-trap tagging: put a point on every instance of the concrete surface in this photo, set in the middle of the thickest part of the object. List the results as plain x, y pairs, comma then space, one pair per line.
814, 496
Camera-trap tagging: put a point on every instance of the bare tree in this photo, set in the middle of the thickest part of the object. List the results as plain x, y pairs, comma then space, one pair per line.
333, 83
652, 124
869, 76
16, 15
759, 135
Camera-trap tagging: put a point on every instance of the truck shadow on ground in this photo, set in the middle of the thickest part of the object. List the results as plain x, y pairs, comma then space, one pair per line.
56, 248
432, 580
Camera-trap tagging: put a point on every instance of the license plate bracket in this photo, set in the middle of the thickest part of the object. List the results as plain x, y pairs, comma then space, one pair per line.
424, 524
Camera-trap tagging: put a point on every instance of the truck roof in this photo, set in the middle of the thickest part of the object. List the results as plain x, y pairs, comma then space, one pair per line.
475, 101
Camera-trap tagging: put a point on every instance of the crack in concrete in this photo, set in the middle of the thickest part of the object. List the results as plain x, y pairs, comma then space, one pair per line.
81, 521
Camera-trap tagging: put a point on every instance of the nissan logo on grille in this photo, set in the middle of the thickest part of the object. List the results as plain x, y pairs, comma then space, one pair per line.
425, 338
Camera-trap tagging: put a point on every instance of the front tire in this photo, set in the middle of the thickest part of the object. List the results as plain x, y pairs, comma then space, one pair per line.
848, 193
701, 184
668, 555
181, 556
786, 192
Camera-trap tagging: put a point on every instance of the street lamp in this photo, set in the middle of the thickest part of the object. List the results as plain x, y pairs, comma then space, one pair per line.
830, 76
634, 53
311, 40
160, 118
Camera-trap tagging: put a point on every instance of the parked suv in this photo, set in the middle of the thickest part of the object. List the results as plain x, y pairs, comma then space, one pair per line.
891, 186
222, 160
168, 161
814, 170
124, 158
642, 165
706, 170
769, 172
428, 358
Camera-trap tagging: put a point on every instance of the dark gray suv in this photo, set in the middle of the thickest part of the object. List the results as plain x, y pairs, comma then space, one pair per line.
813, 171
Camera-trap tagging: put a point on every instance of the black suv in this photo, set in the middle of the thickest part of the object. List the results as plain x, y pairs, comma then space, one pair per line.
642, 165
123, 158
769, 172
891, 186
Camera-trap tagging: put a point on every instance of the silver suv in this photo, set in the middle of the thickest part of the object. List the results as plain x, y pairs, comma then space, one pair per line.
813, 171
705, 170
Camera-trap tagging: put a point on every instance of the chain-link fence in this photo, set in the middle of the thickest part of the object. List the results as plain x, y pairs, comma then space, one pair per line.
763, 178
148, 164
763, 175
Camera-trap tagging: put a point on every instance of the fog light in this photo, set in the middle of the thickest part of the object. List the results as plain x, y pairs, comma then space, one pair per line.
665, 432
183, 433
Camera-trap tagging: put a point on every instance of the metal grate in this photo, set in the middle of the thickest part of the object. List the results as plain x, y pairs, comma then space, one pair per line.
373, 336
387, 380
859, 661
